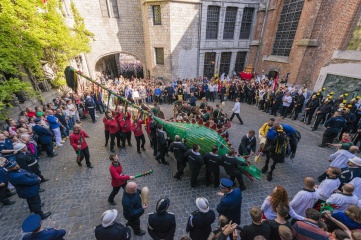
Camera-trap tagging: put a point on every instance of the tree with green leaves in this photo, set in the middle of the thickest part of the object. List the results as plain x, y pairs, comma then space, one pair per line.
31, 34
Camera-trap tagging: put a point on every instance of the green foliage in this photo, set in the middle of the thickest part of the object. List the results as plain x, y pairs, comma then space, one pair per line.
31, 33
7, 90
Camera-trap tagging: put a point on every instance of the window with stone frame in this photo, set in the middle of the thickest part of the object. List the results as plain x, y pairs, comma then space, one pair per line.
212, 22
104, 8
246, 24
157, 15
230, 22
209, 59
114, 8
240, 61
287, 27
225, 63
159, 56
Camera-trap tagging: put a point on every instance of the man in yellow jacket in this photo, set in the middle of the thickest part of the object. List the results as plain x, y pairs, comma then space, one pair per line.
263, 132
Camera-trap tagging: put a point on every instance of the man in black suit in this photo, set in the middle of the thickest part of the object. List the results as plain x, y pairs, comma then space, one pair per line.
162, 145
248, 144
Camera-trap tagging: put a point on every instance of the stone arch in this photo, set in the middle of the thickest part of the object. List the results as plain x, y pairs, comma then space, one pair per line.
117, 63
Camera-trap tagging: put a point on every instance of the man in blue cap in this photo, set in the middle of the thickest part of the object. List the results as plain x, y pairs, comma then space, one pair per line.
26, 185
292, 136
231, 202
32, 226
45, 137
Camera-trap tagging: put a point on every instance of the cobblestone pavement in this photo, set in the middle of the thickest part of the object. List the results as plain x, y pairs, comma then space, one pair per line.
77, 196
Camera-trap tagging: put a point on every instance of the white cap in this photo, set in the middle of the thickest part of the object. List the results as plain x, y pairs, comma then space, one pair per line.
355, 160
202, 204
109, 217
19, 146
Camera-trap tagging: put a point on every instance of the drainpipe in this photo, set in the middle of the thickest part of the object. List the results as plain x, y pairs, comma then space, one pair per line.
199, 37
261, 36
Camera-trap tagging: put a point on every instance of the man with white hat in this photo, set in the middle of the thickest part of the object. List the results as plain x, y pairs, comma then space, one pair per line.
32, 226
353, 170
27, 161
200, 221
162, 224
110, 229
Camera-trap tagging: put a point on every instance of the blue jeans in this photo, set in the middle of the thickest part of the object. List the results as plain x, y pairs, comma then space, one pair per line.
71, 123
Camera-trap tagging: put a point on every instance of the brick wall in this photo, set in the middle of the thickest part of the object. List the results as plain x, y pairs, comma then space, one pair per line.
331, 23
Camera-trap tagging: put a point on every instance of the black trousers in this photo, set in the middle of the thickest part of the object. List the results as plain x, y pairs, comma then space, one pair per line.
237, 115
285, 111
92, 113
48, 147
211, 96
34, 204
107, 135
161, 155
135, 224
274, 109
308, 116
293, 143
181, 165
194, 176
115, 192
239, 178
328, 137
126, 136
3, 198
112, 140
215, 173
84, 153
155, 146
319, 118
36, 170
139, 139
297, 111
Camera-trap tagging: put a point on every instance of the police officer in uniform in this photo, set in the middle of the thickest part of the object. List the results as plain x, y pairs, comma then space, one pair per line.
231, 202
6, 148
333, 127
212, 161
32, 226
231, 165
200, 221
195, 161
90, 106
298, 105
179, 149
161, 224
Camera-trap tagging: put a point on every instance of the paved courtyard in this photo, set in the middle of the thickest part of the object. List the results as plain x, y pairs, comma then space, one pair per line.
77, 196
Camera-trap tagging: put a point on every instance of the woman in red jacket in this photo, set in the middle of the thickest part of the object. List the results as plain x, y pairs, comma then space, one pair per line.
118, 178
125, 125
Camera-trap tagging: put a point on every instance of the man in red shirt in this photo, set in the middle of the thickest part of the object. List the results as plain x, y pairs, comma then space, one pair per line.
112, 123
138, 133
77, 140
118, 178
125, 125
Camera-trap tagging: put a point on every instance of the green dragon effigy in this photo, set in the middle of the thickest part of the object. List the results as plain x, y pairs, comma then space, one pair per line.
193, 132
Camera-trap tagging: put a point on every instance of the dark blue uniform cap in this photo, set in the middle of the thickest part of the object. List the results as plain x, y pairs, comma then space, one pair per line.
31, 223
226, 183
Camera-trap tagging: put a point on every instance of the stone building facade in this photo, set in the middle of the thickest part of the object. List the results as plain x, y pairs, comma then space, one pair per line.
171, 38
307, 41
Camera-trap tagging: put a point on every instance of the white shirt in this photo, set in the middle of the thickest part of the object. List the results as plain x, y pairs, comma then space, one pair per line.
271, 215
287, 100
340, 158
303, 200
326, 188
356, 182
237, 107
342, 201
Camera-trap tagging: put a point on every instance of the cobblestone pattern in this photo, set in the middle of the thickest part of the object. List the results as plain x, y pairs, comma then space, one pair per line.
77, 196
